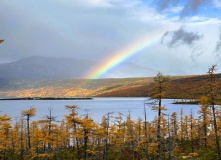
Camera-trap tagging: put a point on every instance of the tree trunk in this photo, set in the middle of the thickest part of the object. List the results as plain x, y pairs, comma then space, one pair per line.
215, 127
85, 144
29, 141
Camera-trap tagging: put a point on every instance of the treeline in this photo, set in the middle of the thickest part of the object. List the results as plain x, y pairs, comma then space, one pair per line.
169, 137
114, 138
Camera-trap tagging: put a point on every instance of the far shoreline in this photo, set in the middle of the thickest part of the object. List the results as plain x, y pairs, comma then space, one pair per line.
47, 98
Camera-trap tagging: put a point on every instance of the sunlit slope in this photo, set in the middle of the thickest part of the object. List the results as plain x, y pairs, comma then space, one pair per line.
178, 87
183, 87
74, 87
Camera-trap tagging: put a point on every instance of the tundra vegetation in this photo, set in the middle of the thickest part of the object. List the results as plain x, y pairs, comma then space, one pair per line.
169, 137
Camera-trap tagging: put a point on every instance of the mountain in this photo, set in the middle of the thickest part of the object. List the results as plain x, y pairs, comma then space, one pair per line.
130, 70
45, 68
65, 68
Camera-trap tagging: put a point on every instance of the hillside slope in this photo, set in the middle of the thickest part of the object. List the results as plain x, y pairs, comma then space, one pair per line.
184, 87
178, 87
73, 87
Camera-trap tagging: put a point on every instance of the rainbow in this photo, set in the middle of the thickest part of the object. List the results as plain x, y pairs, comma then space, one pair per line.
124, 54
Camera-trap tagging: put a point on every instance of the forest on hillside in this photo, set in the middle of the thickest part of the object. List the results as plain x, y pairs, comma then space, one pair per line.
169, 137
179, 87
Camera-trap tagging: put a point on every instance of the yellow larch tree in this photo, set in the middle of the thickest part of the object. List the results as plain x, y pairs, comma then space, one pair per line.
204, 117
74, 122
159, 94
15, 139
65, 136
5, 127
212, 100
174, 124
87, 125
104, 130
130, 138
37, 138
29, 113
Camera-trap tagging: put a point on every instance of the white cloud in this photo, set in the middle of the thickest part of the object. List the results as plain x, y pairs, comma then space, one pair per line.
217, 3
104, 3
175, 9
195, 19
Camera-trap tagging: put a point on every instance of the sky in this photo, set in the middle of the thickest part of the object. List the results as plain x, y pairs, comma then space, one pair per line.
185, 35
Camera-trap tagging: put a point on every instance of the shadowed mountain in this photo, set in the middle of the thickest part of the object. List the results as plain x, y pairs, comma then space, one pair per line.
45, 68
131, 70
65, 68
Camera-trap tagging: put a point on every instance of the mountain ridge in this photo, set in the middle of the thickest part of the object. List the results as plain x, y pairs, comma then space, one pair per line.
65, 68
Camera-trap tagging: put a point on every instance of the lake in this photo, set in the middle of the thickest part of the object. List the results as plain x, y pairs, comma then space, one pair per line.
96, 108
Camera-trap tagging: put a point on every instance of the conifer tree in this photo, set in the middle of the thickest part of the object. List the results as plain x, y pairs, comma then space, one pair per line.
174, 124
29, 113
181, 134
74, 121
158, 94
130, 132
186, 127
106, 125
119, 138
65, 136
50, 118
212, 97
204, 116
15, 139
37, 137
87, 125
5, 127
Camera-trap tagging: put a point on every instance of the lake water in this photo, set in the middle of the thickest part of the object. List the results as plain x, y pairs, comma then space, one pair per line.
96, 108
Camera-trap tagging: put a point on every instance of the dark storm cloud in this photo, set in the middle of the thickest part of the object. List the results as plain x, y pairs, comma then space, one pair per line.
180, 37
163, 4
190, 7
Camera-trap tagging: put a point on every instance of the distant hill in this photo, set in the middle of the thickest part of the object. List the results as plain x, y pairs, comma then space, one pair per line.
66, 88
179, 87
65, 68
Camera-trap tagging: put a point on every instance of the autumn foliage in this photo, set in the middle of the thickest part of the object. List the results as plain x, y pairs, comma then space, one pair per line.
167, 136
119, 137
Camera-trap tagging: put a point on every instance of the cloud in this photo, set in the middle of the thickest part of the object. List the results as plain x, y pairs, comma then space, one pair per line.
180, 37
106, 3
96, 29
192, 6
196, 52
66, 30
176, 9
163, 4
188, 8
217, 3
218, 44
